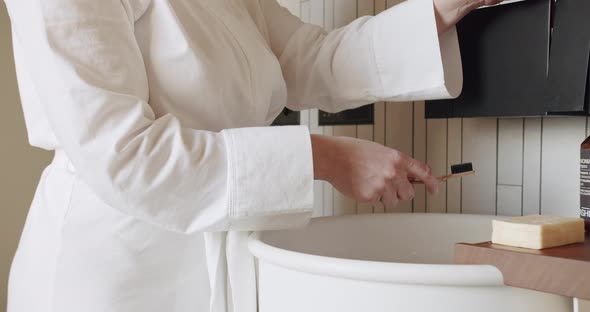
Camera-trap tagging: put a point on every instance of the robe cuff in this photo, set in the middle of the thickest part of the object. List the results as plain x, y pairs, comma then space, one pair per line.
413, 62
270, 177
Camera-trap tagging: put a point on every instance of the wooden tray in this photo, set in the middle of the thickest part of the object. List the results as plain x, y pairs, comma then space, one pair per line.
561, 270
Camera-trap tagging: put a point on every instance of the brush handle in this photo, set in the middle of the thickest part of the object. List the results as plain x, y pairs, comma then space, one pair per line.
444, 178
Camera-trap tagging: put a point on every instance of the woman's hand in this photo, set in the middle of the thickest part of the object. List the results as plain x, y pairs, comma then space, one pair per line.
367, 171
450, 12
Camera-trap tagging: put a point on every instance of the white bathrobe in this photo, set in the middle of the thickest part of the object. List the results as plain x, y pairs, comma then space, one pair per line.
157, 112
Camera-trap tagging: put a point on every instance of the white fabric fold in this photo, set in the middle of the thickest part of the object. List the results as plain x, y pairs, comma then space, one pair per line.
242, 273
232, 272
215, 247
418, 64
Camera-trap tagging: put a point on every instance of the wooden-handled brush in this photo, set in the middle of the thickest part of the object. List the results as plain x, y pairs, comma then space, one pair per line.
457, 171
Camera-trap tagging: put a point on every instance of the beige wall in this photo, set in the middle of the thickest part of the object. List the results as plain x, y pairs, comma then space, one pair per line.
20, 164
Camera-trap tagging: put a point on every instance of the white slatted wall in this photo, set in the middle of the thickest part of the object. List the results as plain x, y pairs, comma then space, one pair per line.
524, 165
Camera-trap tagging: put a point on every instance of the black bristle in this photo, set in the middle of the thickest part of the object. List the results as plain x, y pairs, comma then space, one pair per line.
461, 168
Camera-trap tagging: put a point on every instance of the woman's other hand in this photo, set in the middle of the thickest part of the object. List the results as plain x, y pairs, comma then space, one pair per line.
450, 12
367, 171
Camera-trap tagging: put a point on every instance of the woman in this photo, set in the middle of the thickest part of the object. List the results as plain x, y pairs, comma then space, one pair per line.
157, 180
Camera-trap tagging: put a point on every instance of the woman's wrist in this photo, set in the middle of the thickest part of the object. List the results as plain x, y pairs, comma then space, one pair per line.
322, 163
450, 12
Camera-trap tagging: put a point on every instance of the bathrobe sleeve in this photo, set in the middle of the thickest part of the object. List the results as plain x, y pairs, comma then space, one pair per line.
394, 56
86, 68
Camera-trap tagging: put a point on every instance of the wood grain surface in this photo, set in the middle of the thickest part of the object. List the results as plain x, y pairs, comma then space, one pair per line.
561, 270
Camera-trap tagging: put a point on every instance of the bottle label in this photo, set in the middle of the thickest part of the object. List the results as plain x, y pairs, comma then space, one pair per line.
585, 184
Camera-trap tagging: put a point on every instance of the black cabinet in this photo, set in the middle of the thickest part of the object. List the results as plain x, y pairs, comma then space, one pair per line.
527, 58
568, 80
363, 115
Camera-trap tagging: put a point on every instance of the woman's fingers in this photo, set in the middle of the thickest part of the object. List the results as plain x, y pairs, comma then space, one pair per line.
406, 191
389, 198
398, 189
421, 171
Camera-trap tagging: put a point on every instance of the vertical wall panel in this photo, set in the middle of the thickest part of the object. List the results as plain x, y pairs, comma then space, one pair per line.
419, 203
304, 117
509, 200
305, 11
560, 187
455, 128
480, 148
531, 182
436, 156
329, 14
380, 5
581, 305
344, 12
365, 7
379, 126
316, 13
510, 144
510, 156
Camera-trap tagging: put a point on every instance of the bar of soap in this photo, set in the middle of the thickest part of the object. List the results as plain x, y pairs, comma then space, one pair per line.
538, 231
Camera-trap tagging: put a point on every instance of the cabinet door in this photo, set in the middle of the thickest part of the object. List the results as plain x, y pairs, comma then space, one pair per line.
505, 52
568, 63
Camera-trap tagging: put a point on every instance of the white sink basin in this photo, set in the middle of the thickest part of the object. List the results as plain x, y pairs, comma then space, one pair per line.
385, 262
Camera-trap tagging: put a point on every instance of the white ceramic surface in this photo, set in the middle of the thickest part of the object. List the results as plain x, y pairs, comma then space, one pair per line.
385, 262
